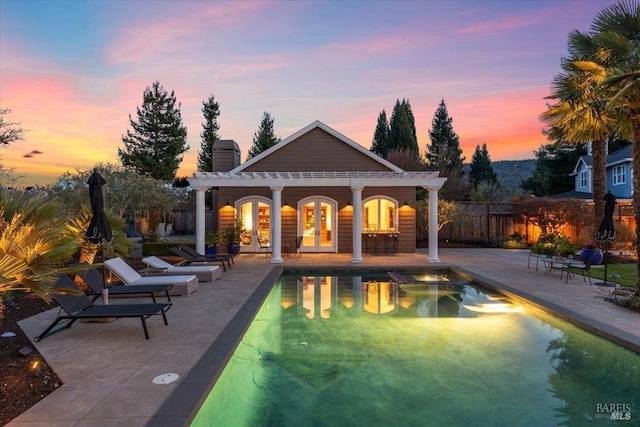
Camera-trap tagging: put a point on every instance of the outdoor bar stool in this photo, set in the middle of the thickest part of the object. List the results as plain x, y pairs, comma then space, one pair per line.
391, 244
372, 239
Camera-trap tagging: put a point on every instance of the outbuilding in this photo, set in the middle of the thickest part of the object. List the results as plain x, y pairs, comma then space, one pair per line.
321, 187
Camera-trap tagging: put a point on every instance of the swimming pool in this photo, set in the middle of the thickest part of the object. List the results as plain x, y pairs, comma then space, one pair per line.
415, 349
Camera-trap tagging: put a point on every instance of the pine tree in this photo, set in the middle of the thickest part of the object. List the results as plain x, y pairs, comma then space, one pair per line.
159, 139
264, 138
402, 133
445, 155
554, 162
209, 135
481, 169
380, 143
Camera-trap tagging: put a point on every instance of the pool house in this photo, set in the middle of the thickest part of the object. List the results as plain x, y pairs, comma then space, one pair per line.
320, 189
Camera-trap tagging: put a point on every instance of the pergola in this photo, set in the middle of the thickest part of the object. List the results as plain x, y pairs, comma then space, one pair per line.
357, 181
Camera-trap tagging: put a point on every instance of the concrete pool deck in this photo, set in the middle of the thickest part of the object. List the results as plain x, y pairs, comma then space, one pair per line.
107, 368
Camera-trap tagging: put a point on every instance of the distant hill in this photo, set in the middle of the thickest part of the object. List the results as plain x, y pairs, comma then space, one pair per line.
512, 172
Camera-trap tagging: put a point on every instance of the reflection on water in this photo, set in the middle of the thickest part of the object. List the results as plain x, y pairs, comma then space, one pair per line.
414, 350
427, 295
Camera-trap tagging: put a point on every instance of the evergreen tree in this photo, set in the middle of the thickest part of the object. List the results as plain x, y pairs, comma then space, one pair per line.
481, 169
264, 138
209, 135
554, 164
402, 128
380, 143
445, 155
159, 139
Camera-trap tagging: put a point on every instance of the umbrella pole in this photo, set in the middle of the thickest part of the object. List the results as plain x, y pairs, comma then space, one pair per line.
606, 253
105, 290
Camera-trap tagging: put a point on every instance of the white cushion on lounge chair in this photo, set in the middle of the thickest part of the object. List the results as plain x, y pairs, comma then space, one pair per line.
183, 285
205, 273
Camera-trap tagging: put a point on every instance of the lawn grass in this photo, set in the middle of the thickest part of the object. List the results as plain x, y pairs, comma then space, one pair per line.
628, 273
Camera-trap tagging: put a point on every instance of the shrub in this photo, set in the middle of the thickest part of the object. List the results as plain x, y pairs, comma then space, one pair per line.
563, 246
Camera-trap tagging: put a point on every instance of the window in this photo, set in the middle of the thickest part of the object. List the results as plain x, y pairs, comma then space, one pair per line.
583, 179
380, 212
619, 175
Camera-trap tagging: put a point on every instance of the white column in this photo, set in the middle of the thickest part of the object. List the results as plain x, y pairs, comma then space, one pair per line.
357, 224
200, 226
433, 224
276, 224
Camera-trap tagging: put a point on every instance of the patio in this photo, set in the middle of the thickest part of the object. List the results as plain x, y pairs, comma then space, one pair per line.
107, 368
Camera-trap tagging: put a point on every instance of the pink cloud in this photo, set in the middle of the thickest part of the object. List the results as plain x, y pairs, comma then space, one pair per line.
506, 23
179, 31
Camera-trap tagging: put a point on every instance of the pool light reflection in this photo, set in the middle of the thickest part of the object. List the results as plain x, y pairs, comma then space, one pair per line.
494, 307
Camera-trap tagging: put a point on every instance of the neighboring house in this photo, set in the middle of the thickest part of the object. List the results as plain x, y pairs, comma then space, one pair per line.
319, 185
618, 176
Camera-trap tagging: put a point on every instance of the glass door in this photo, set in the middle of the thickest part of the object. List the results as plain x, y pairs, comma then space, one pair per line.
255, 215
317, 223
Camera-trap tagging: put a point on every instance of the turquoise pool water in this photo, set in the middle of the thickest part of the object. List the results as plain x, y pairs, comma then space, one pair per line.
414, 349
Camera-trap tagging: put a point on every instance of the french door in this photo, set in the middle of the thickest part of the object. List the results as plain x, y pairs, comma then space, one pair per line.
317, 224
255, 214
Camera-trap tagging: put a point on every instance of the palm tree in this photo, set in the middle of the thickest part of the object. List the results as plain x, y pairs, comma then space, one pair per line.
615, 37
579, 114
35, 242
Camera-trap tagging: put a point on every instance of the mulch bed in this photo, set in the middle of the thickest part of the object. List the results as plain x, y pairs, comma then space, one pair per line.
21, 387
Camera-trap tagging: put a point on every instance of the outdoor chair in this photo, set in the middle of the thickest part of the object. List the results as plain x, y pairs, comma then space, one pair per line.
226, 257
573, 265
264, 245
161, 231
205, 273
199, 260
391, 244
183, 284
297, 244
80, 306
95, 283
547, 256
371, 242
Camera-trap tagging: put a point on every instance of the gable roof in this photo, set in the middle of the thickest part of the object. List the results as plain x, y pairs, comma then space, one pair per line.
583, 159
620, 156
317, 125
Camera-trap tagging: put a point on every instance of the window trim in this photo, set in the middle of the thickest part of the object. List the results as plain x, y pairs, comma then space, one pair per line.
379, 197
619, 174
583, 179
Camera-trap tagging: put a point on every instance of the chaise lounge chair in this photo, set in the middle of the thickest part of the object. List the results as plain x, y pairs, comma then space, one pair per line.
225, 257
190, 259
205, 273
94, 281
80, 307
182, 285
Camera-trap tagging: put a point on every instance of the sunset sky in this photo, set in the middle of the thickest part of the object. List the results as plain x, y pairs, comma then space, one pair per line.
73, 71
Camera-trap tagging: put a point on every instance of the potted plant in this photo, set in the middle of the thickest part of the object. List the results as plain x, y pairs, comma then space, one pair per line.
212, 239
591, 254
233, 235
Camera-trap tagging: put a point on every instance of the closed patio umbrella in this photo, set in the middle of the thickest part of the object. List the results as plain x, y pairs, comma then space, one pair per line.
99, 230
606, 232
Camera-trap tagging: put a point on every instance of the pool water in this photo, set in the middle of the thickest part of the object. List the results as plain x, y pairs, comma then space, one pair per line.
413, 349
